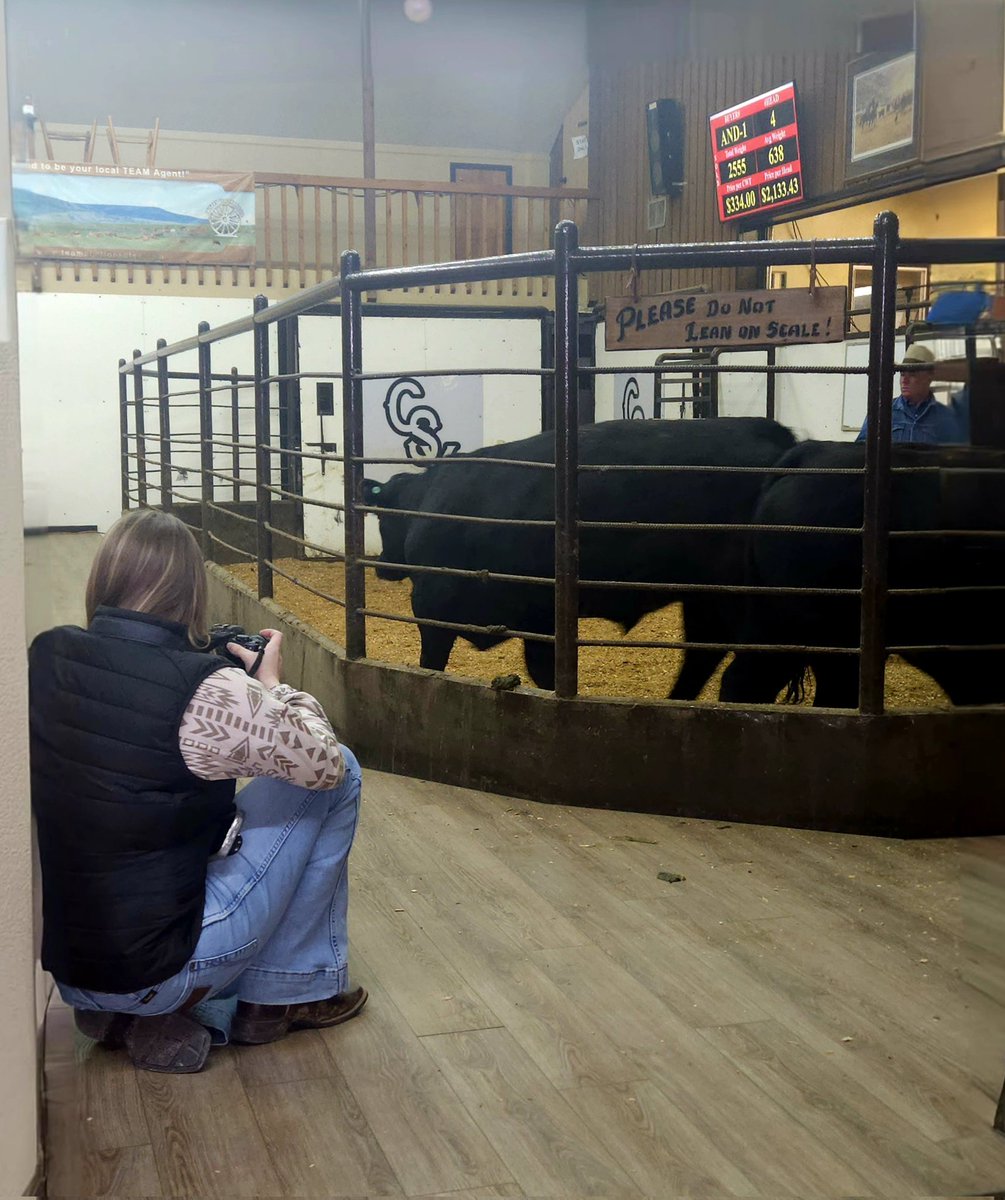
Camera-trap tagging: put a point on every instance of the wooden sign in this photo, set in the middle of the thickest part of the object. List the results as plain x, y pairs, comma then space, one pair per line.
779, 317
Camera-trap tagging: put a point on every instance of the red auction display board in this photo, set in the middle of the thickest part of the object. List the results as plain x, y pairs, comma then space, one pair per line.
755, 149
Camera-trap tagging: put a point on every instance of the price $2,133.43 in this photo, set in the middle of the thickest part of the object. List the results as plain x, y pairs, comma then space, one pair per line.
781, 189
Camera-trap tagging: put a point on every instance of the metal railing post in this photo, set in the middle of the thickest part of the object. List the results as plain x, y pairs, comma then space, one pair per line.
141, 440
263, 454
352, 443
566, 461
205, 442
164, 415
235, 433
769, 385
876, 490
288, 364
124, 433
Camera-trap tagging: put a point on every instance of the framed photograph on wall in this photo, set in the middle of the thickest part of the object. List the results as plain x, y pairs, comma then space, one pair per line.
882, 113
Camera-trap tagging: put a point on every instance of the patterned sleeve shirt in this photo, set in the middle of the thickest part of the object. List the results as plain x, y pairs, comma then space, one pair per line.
234, 727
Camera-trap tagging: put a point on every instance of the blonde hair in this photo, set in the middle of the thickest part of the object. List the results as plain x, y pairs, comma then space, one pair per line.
149, 562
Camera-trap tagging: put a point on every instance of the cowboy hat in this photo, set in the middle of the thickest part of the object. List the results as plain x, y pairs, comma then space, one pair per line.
919, 357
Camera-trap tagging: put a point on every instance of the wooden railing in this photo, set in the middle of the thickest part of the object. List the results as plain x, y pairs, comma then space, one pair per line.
305, 222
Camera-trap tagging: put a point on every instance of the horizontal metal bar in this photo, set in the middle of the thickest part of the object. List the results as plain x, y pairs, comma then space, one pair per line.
931, 533
983, 649
681, 367
948, 591
230, 513
460, 572
194, 440
409, 512
281, 450
685, 468
292, 537
950, 250
724, 527
722, 254
723, 646
494, 630
740, 589
296, 375
510, 266
236, 549
447, 372
306, 586
450, 459
610, 584
301, 499
320, 293
195, 375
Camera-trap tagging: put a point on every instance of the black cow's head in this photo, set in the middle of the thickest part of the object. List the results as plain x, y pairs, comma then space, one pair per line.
400, 491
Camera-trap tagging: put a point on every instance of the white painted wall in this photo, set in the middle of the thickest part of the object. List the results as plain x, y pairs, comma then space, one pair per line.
407, 345
70, 349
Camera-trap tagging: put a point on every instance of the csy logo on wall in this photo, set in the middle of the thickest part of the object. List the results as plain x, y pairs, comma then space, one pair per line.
420, 419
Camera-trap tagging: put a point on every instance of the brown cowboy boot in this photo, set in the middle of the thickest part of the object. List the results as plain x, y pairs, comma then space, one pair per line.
255, 1024
171, 1043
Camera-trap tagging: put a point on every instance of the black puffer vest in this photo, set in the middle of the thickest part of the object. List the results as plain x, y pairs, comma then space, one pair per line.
125, 830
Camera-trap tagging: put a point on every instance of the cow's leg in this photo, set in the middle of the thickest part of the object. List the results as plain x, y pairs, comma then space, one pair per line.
704, 621
540, 660
436, 645
754, 677
696, 669
836, 678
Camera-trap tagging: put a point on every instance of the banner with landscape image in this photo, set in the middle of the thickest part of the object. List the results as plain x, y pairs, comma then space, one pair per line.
98, 211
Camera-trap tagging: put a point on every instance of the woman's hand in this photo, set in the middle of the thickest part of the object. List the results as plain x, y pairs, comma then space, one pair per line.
270, 672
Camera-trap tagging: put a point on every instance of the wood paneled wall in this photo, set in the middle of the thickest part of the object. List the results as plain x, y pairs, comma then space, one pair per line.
710, 54
619, 166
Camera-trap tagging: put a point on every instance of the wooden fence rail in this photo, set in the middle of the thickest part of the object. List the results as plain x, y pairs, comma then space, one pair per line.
305, 222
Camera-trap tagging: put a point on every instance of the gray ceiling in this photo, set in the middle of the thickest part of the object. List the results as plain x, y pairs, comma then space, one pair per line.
498, 74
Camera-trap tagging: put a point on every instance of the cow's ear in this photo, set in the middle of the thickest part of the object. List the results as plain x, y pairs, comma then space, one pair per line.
371, 491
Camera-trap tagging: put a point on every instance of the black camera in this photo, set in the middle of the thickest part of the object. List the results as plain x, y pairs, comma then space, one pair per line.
220, 635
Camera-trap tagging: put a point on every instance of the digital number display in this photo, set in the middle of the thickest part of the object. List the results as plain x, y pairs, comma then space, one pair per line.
755, 149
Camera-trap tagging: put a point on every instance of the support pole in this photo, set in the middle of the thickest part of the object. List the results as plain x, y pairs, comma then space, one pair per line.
141, 439
235, 433
164, 413
566, 462
369, 140
288, 352
876, 492
263, 454
205, 442
124, 433
352, 444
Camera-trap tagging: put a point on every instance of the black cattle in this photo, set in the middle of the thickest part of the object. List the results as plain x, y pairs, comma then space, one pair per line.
949, 498
478, 487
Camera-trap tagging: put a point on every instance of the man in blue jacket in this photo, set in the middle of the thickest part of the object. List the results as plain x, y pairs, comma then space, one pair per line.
917, 416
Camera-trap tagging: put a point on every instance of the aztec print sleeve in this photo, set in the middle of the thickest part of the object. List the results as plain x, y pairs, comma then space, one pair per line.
233, 727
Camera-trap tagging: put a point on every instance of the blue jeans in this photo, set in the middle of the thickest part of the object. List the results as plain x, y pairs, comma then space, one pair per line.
274, 924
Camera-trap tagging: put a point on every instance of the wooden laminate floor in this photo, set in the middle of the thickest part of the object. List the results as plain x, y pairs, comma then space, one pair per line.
805, 1014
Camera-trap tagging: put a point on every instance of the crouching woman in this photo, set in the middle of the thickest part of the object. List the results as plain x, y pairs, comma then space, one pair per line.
158, 890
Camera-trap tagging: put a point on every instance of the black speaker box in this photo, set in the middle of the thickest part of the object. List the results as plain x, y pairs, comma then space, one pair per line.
665, 136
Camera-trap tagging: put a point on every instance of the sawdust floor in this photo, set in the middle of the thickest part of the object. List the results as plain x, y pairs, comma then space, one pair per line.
603, 671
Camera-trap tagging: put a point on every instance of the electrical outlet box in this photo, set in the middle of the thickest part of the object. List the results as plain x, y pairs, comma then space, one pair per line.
326, 399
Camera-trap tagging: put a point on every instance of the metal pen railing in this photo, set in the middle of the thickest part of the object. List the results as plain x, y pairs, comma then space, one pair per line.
565, 264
